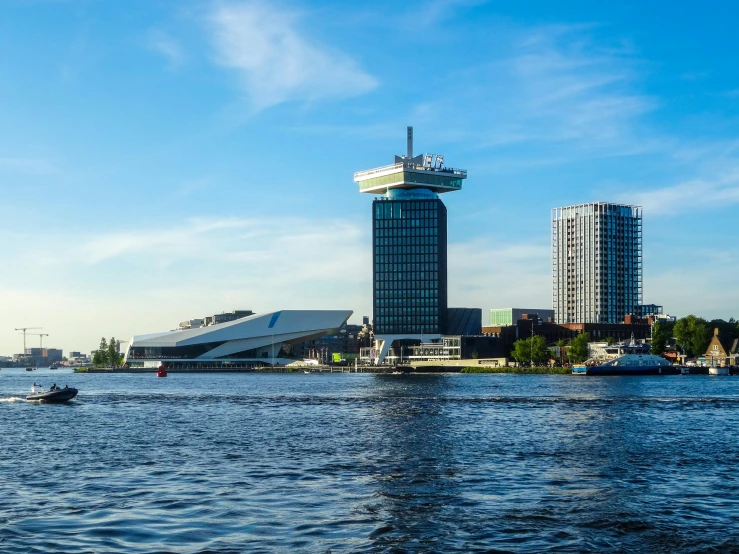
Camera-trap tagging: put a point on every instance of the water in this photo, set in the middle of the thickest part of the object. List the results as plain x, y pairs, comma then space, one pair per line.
369, 463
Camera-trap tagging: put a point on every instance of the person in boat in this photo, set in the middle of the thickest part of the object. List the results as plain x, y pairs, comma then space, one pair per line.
53, 387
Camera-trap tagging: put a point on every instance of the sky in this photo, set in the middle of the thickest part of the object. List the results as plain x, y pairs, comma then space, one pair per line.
162, 161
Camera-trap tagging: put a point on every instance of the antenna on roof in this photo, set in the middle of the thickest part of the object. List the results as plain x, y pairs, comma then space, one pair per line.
410, 142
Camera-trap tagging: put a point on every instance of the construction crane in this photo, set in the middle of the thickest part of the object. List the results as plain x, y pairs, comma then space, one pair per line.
24, 329
41, 338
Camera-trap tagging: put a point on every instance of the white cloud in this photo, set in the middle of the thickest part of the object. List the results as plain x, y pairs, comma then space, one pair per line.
276, 62
688, 195
163, 44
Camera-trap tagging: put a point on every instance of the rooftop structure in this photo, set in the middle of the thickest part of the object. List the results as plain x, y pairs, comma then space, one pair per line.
509, 316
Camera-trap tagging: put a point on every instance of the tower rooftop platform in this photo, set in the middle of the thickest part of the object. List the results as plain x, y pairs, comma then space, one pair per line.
408, 174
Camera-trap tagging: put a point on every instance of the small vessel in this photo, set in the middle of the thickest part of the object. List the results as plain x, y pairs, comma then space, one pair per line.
630, 364
29, 369
54, 395
718, 370
161, 372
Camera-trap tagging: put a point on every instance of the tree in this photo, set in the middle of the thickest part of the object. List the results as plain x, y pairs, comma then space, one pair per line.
101, 354
661, 332
114, 352
692, 334
531, 349
578, 351
610, 341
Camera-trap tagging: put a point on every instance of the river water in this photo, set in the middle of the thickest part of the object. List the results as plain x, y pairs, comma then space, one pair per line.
370, 463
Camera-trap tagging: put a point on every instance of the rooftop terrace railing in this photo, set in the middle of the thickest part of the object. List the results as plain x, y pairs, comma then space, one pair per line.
403, 165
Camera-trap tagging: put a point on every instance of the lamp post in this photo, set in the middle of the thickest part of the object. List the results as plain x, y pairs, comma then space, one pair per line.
532, 343
273, 350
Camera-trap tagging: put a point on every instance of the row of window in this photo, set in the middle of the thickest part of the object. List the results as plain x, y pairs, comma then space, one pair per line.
405, 223
415, 232
398, 266
400, 311
409, 249
408, 319
409, 293
405, 240
407, 276
406, 302
405, 210
389, 329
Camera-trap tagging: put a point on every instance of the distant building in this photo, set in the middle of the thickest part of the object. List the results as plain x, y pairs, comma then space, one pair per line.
464, 321
225, 317
344, 341
74, 354
191, 323
722, 351
596, 262
509, 316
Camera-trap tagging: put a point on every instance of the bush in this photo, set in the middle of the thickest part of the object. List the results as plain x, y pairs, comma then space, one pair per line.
519, 370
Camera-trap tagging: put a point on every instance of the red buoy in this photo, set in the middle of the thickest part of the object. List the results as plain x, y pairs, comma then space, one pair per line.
161, 372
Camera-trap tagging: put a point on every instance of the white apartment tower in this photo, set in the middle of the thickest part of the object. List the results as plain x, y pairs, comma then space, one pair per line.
596, 262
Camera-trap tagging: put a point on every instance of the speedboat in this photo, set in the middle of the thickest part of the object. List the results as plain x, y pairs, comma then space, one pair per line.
54, 396
29, 369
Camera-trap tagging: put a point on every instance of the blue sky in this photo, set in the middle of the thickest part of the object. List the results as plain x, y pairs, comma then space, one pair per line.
165, 160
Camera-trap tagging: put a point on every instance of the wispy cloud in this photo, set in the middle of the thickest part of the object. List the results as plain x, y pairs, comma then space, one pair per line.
163, 44
688, 195
276, 61
36, 166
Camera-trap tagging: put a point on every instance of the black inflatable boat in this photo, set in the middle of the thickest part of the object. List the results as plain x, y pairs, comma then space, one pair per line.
53, 396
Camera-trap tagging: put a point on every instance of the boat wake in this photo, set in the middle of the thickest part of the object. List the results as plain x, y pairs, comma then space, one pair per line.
13, 399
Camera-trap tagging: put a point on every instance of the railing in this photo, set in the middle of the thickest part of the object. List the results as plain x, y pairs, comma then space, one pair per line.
403, 165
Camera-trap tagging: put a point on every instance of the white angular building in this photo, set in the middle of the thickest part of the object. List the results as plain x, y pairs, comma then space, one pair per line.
253, 341
596, 262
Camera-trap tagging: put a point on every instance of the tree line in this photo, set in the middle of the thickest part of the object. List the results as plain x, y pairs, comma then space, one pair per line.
108, 354
692, 336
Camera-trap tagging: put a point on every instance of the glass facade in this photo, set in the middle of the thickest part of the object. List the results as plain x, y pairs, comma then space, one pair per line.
409, 266
412, 177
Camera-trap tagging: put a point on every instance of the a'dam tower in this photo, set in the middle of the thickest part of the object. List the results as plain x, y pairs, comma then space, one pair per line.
409, 245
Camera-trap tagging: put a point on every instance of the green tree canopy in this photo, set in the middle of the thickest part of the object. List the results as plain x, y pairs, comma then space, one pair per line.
578, 351
692, 334
114, 348
100, 358
661, 332
531, 349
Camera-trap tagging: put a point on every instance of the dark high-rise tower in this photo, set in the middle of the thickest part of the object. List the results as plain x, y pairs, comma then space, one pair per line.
409, 245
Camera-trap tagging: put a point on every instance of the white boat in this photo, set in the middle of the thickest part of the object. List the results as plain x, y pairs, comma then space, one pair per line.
718, 370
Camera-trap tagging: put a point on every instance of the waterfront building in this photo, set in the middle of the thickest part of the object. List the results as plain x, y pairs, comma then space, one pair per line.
509, 316
596, 262
252, 341
344, 342
409, 245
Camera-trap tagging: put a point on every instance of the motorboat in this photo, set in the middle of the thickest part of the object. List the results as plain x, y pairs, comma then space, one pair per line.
55, 395
29, 369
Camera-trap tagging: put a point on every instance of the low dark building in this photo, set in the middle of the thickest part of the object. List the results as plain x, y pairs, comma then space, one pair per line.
464, 321
554, 332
